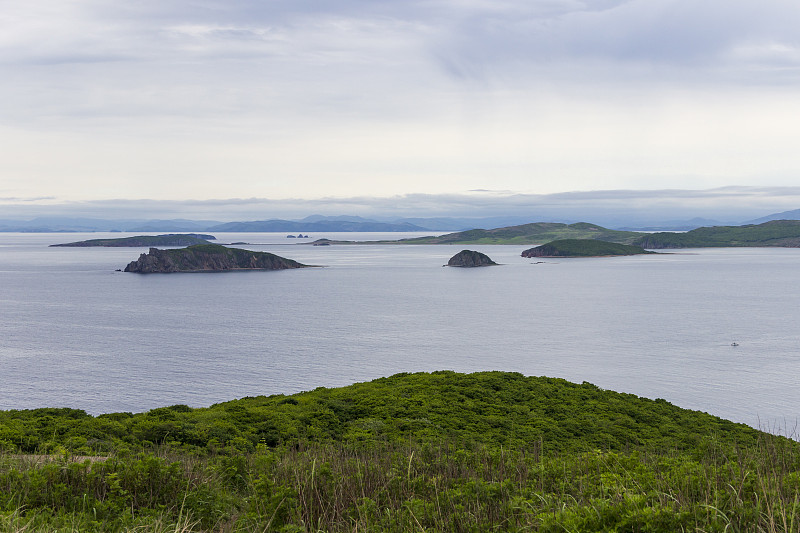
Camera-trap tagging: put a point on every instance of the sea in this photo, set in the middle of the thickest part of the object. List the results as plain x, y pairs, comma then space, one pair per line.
77, 332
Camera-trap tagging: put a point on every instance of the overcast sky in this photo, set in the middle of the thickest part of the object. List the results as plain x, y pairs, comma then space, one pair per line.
278, 99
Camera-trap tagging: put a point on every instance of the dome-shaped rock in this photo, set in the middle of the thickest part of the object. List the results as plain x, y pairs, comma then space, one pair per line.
470, 258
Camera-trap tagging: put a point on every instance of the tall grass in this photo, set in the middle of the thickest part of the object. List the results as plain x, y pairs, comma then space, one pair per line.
410, 487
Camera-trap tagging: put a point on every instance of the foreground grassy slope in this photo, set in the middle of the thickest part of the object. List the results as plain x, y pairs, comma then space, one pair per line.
433, 452
774, 233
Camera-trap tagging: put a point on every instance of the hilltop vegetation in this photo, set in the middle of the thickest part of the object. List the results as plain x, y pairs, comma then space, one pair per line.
582, 248
435, 452
489, 408
774, 233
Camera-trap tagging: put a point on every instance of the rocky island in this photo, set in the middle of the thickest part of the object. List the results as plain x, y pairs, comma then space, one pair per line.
583, 248
208, 258
469, 259
139, 241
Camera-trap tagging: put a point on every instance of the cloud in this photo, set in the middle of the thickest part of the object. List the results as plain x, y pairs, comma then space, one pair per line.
308, 98
726, 204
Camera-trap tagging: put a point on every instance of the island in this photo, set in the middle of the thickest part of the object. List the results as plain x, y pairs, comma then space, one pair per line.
208, 258
141, 241
583, 248
533, 233
469, 259
782, 233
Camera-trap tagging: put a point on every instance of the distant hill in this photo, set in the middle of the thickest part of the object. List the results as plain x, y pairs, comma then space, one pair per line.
277, 225
785, 215
583, 248
76, 224
784, 233
179, 224
535, 233
139, 241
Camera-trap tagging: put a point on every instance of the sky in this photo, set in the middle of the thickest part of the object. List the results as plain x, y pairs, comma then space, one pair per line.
208, 101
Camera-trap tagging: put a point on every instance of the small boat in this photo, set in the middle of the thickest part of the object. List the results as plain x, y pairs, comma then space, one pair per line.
734, 344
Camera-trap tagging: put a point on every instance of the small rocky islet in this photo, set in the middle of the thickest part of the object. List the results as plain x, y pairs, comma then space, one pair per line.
470, 259
208, 258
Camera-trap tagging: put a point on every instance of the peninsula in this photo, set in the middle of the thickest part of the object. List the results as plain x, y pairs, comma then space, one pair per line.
583, 248
782, 233
140, 241
534, 233
208, 258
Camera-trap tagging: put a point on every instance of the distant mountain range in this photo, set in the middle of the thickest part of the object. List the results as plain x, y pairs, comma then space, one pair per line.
269, 226
344, 223
785, 215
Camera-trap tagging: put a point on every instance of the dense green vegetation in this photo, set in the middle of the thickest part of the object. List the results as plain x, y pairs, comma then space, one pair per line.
582, 248
433, 452
141, 241
774, 233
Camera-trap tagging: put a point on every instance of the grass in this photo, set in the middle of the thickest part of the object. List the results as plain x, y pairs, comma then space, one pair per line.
446, 487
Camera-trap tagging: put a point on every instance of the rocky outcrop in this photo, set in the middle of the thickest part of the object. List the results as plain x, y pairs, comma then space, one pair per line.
470, 258
208, 258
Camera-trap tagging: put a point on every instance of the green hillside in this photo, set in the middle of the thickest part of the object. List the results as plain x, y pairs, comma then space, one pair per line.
774, 233
490, 451
534, 233
582, 248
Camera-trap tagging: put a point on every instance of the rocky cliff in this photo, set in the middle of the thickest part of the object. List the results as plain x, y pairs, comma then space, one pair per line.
470, 258
208, 258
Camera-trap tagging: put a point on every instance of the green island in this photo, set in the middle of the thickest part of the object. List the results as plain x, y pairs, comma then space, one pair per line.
534, 233
140, 241
785, 233
583, 248
208, 258
439, 452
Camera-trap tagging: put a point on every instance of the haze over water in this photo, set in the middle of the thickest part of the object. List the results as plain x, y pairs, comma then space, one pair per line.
76, 333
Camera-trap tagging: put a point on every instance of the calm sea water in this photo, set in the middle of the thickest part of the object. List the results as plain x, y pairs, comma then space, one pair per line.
74, 332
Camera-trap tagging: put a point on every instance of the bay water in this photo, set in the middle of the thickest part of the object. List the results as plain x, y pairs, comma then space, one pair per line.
74, 332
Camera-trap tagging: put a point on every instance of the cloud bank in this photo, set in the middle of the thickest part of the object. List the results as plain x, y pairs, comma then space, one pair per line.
613, 207
303, 99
